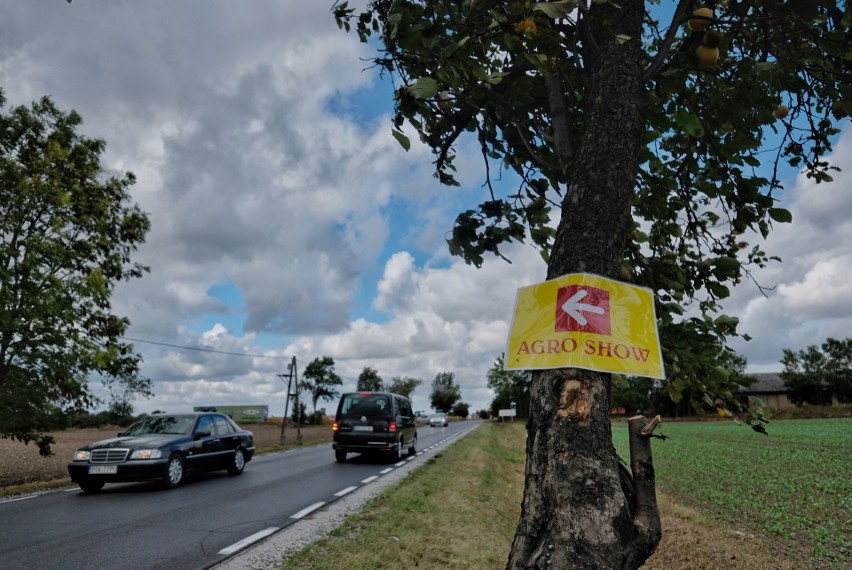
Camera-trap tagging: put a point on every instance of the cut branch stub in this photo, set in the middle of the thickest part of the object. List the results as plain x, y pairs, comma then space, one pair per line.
575, 402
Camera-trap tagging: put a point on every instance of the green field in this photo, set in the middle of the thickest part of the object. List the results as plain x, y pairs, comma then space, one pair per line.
795, 483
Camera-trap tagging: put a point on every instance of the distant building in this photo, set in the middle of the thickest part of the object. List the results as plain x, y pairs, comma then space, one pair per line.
771, 389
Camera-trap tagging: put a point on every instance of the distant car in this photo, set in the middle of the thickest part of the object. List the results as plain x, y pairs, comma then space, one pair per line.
439, 420
374, 423
164, 447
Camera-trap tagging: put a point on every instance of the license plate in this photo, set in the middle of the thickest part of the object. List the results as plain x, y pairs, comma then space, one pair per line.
103, 469
362, 428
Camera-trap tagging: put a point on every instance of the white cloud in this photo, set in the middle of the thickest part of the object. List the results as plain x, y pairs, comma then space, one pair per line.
808, 298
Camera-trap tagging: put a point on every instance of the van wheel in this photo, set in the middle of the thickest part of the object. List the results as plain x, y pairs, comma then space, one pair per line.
397, 453
412, 449
340, 456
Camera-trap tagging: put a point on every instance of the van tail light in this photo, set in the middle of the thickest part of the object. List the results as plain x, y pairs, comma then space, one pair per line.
335, 426
392, 427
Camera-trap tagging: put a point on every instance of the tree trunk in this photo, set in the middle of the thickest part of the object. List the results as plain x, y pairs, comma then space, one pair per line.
575, 513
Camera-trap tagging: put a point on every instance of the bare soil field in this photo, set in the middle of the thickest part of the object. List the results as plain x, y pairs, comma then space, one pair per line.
21, 464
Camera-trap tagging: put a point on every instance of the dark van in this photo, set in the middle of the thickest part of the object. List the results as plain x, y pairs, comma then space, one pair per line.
374, 423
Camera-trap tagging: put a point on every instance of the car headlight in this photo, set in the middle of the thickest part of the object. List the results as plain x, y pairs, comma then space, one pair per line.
82, 455
146, 454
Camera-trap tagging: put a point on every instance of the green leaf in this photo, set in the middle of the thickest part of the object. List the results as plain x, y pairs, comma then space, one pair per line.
726, 264
556, 10
689, 123
401, 139
621, 38
781, 215
423, 88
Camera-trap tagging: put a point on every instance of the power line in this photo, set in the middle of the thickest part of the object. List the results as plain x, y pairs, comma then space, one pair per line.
197, 349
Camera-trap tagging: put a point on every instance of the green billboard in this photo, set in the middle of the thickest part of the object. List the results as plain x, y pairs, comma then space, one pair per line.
240, 414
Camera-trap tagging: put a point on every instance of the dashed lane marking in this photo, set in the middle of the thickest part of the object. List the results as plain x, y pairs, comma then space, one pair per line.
248, 541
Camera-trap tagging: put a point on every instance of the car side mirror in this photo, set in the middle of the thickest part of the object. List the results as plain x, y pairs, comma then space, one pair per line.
200, 434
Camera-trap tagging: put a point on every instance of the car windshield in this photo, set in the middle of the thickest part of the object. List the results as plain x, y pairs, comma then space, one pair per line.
163, 424
439, 416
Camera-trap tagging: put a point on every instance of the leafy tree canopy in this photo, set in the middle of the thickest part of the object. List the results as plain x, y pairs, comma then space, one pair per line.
445, 392
461, 409
369, 380
320, 379
67, 234
511, 389
403, 385
817, 374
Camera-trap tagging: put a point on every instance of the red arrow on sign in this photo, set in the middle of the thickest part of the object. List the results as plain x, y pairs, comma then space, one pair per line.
583, 309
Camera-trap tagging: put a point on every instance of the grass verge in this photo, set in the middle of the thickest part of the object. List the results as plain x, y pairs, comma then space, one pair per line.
457, 511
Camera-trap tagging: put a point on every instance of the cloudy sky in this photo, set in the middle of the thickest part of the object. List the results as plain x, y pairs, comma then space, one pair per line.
287, 221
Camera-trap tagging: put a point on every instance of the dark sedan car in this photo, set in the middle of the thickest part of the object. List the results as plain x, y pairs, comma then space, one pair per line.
164, 447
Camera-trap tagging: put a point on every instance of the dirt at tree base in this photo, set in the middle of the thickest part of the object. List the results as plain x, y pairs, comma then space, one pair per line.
692, 541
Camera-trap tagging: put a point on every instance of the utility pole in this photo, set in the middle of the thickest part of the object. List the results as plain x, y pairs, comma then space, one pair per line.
289, 377
292, 379
292, 367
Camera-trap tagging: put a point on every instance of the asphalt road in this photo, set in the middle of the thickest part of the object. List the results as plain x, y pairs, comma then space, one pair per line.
209, 519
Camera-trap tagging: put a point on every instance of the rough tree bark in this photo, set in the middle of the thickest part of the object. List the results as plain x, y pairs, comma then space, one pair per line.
575, 513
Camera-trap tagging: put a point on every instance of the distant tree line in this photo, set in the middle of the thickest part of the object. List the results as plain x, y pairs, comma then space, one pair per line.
819, 375
445, 396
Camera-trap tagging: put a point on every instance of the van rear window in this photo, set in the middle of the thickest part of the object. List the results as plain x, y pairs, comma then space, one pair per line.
365, 405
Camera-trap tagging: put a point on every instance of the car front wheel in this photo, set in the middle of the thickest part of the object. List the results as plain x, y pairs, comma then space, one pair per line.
174, 472
340, 456
239, 463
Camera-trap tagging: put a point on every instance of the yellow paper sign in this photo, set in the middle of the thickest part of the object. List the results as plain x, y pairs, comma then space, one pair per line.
585, 321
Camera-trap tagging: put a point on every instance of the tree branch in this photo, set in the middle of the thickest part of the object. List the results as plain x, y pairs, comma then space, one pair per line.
462, 118
646, 514
677, 18
560, 120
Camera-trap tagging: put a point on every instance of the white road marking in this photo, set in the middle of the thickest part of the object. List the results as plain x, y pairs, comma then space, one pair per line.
21, 498
344, 491
248, 541
307, 510
371, 478
386, 471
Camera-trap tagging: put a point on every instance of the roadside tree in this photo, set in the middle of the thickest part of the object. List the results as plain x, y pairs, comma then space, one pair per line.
320, 379
369, 380
445, 392
511, 389
403, 385
461, 410
642, 151
67, 232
